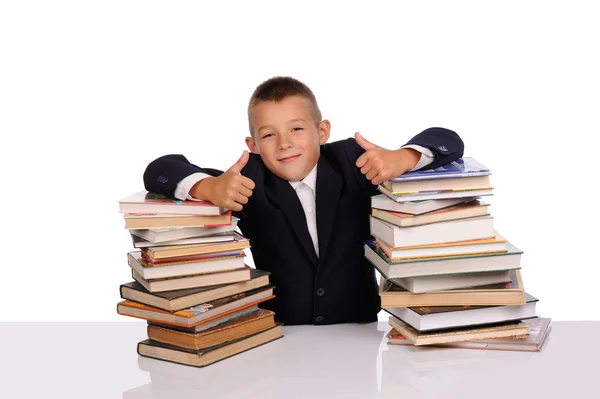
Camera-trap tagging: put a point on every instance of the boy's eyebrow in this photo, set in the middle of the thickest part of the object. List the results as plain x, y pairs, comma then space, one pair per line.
271, 127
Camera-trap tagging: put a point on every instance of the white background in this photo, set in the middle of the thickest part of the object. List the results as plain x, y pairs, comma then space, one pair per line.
91, 92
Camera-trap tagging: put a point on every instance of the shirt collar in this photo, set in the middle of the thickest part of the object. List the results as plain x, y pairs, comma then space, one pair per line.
310, 180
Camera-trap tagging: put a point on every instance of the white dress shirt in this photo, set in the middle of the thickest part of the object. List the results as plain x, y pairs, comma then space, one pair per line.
305, 190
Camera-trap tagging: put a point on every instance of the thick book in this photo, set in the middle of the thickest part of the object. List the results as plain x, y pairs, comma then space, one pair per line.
194, 280
162, 234
422, 284
139, 242
148, 220
428, 318
186, 267
239, 327
414, 267
197, 314
512, 329
436, 194
511, 293
146, 202
168, 252
382, 202
207, 356
181, 299
213, 322
460, 211
494, 244
538, 330
423, 186
475, 228
462, 167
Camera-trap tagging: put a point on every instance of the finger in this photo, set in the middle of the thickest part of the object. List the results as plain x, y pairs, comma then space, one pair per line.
234, 206
248, 183
239, 165
365, 169
240, 199
364, 143
372, 173
378, 180
362, 160
246, 192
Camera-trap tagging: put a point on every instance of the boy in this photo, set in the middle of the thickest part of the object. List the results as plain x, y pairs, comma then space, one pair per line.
305, 204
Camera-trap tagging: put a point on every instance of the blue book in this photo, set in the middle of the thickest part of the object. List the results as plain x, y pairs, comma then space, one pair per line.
462, 167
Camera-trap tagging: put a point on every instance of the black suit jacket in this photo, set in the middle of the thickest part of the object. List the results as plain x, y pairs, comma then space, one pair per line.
340, 285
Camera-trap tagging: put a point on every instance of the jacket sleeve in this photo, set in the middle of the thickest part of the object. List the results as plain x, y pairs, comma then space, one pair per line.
164, 173
446, 145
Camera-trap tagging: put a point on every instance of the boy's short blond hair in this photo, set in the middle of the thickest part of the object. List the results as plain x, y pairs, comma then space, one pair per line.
278, 88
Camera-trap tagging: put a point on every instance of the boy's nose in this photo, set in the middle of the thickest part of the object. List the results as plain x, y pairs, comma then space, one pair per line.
285, 142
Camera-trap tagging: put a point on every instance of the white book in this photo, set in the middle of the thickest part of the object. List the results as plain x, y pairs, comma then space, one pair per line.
497, 261
422, 284
179, 233
434, 195
495, 244
475, 228
415, 207
139, 242
440, 317
134, 259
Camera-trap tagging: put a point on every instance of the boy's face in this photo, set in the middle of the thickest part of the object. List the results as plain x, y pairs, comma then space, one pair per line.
287, 138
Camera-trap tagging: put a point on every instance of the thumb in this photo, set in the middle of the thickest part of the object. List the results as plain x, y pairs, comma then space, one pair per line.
239, 165
364, 143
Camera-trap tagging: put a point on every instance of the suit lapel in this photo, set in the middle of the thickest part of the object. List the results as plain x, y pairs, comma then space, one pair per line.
329, 187
283, 194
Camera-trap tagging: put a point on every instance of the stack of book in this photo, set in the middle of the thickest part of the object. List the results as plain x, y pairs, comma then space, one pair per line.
191, 283
447, 275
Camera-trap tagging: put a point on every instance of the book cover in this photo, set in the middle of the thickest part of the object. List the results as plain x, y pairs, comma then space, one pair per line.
462, 167
143, 200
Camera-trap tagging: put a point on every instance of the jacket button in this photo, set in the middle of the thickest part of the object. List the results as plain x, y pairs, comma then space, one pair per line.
319, 319
320, 292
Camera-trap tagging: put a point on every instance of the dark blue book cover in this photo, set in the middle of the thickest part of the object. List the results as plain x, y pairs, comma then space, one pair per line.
462, 167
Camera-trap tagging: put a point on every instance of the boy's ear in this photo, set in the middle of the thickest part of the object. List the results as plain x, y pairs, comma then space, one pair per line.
251, 145
324, 130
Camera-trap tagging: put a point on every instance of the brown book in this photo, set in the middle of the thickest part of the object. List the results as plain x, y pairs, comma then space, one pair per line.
458, 335
511, 293
239, 327
181, 299
207, 356
461, 211
196, 314
174, 251
149, 221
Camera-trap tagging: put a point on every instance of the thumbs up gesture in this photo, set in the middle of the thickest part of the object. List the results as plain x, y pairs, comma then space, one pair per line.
230, 190
379, 164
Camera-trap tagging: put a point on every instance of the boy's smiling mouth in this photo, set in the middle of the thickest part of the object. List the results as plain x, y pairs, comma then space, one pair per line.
289, 159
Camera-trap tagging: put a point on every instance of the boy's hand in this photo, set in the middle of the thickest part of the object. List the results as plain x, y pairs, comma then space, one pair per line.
379, 164
230, 190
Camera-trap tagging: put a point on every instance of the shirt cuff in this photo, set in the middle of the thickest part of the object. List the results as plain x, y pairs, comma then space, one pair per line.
427, 156
182, 191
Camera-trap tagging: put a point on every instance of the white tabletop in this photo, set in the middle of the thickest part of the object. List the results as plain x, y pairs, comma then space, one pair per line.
99, 360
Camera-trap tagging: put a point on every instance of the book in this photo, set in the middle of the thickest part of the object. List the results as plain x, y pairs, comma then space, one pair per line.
139, 242
475, 228
494, 244
427, 318
193, 281
147, 202
423, 186
196, 314
382, 202
422, 284
462, 167
511, 293
436, 194
414, 267
167, 252
180, 299
151, 271
460, 211
538, 330
242, 326
162, 234
212, 322
146, 221
457, 335
207, 356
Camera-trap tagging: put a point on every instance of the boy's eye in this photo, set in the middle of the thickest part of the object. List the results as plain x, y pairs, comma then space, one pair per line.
267, 135
296, 129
